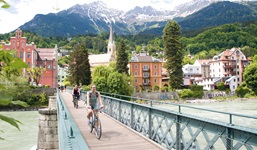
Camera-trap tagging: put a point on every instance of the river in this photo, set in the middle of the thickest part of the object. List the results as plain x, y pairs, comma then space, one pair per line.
246, 107
27, 137
23, 139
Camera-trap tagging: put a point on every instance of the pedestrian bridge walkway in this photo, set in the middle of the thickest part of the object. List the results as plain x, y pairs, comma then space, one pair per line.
114, 136
127, 124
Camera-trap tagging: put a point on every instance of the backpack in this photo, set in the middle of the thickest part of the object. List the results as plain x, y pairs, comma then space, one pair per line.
90, 94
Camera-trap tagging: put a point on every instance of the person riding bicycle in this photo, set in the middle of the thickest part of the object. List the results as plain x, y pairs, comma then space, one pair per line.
92, 97
75, 92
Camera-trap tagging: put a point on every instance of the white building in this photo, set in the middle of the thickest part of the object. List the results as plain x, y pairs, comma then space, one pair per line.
189, 73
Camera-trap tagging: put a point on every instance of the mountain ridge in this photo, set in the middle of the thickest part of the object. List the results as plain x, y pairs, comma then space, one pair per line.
95, 18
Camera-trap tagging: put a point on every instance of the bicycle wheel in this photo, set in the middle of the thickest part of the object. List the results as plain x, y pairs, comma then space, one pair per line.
98, 128
91, 123
75, 101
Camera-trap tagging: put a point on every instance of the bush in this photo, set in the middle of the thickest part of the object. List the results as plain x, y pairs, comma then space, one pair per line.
241, 91
197, 91
186, 93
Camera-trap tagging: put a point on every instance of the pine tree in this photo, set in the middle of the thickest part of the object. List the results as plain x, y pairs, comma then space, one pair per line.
173, 54
122, 58
79, 65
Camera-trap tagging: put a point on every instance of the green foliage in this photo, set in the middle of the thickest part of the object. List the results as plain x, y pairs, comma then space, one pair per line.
43, 98
219, 38
197, 91
79, 65
156, 88
250, 76
122, 58
5, 4
242, 90
36, 73
173, 54
186, 93
86, 87
109, 80
221, 86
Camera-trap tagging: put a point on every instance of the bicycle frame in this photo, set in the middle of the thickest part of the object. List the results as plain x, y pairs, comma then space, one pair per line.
96, 123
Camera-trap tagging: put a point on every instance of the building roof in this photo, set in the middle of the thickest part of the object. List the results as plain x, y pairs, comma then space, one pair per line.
46, 53
99, 58
204, 61
145, 58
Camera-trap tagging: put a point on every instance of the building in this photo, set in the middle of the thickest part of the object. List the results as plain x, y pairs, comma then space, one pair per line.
146, 71
190, 72
229, 63
35, 57
104, 59
204, 67
62, 74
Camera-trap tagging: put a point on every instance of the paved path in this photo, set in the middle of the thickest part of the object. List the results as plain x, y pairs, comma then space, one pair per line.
114, 136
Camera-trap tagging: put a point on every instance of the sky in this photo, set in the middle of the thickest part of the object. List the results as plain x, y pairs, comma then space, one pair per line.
22, 11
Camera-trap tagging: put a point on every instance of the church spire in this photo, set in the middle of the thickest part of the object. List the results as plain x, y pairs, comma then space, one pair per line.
111, 44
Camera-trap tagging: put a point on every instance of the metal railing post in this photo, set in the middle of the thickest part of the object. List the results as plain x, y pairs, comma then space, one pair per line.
178, 146
150, 124
132, 116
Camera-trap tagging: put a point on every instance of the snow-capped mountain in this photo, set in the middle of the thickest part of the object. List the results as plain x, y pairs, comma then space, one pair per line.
96, 17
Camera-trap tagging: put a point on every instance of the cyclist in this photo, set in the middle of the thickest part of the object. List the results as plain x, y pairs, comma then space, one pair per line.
92, 97
75, 92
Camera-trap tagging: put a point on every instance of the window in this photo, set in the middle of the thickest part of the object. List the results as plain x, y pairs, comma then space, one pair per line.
233, 87
135, 73
238, 79
62, 76
135, 80
155, 73
155, 80
146, 74
49, 66
21, 54
145, 67
135, 66
28, 54
155, 66
234, 80
29, 64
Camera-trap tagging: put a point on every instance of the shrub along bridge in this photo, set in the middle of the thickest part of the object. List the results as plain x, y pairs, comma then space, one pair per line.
130, 125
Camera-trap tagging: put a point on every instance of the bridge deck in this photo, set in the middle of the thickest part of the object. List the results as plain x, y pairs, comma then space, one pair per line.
114, 135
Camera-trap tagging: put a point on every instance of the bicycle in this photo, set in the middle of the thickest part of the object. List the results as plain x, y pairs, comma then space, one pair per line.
95, 123
75, 101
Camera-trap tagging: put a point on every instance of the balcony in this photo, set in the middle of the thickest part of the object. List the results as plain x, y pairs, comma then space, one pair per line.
146, 69
146, 84
146, 77
229, 66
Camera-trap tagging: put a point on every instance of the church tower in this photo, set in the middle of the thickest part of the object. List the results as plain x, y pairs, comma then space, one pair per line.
111, 48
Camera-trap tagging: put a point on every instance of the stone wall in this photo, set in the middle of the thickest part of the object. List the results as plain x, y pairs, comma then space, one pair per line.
48, 127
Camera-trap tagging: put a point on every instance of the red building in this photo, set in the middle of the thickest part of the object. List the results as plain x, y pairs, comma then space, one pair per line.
33, 56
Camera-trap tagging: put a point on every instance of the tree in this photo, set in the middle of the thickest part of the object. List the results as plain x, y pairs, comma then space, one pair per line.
79, 65
221, 86
9, 66
173, 54
122, 58
250, 76
36, 73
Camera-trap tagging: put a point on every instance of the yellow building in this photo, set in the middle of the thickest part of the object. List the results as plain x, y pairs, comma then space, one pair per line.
146, 70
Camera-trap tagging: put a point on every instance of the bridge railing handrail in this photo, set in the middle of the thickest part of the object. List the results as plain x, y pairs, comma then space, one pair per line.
180, 106
70, 136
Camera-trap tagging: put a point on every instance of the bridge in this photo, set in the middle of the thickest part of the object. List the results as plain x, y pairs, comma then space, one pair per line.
127, 124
